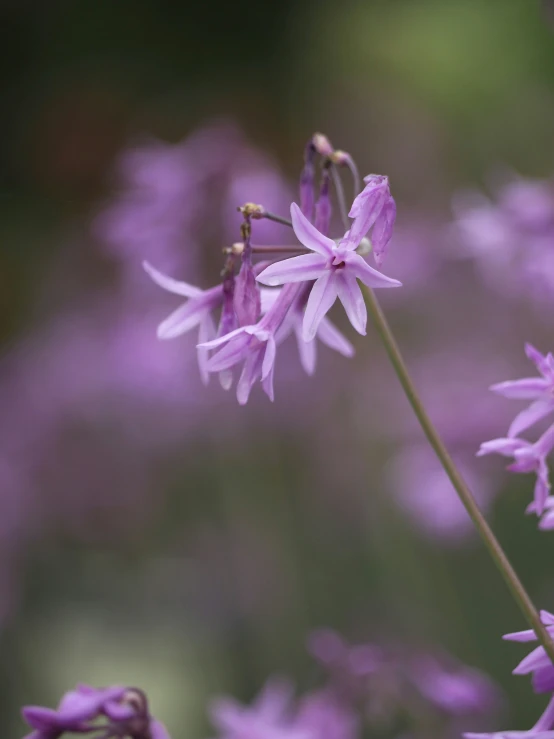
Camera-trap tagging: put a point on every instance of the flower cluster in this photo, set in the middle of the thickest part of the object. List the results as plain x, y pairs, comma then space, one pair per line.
300, 290
365, 687
108, 713
530, 456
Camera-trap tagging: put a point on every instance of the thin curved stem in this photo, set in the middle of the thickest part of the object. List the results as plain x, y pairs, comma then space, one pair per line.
515, 585
274, 217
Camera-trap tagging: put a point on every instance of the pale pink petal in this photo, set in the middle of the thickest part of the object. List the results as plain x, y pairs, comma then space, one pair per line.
322, 296
528, 388
352, 299
206, 332
226, 338
329, 335
269, 357
369, 276
528, 417
185, 318
534, 660
538, 359
506, 447
521, 636
250, 373
547, 618
171, 285
307, 350
296, 269
545, 443
308, 235
267, 384
232, 353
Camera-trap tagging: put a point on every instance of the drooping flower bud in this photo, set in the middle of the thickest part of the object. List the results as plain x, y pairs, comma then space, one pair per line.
323, 205
382, 230
307, 182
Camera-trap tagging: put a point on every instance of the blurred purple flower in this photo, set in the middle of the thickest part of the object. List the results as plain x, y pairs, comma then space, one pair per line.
324, 716
335, 269
538, 389
424, 492
454, 688
271, 716
124, 712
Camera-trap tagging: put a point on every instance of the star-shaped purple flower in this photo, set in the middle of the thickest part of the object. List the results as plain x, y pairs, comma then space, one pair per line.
538, 389
335, 269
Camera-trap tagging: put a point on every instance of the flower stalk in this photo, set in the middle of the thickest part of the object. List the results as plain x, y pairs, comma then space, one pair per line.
492, 544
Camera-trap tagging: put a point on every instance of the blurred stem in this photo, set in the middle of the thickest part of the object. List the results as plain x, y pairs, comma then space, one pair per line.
277, 249
274, 217
489, 539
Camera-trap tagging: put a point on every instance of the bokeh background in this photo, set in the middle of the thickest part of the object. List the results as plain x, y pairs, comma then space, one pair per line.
151, 531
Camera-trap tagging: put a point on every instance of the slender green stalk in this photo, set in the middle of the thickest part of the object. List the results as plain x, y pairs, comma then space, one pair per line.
277, 249
515, 585
274, 217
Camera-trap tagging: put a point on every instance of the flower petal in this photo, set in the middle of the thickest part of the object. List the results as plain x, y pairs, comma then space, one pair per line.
528, 388
206, 332
250, 373
269, 356
296, 269
308, 235
528, 417
183, 319
504, 446
307, 350
534, 661
329, 335
369, 276
382, 231
171, 285
232, 353
322, 296
352, 299
225, 339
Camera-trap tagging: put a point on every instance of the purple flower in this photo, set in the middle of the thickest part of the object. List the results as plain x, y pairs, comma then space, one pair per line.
327, 332
538, 389
541, 730
246, 294
537, 662
324, 716
196, 312
528, 458
255, 346
269, 717
124, 712
456, 689
374, 206
335, 269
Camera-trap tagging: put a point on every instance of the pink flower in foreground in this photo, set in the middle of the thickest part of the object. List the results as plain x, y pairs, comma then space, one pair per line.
538, 389
335, 269
528, 458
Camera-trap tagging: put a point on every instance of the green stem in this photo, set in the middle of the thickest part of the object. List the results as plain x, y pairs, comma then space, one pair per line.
513, 582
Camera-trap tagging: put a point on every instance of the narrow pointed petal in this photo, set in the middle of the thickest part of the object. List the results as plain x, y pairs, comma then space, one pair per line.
296, 269
206, 332
226, 379
542, 487
534, 661
214, 343
543, 682
369, 276
183, 319
307, 350
528, 417
171, 285
528, 388
506, 447
267, 383
232, 353
329, 335
269, 357
308, 235
547, 618
250, 373
545, 443
352, 299
538, 359
521, 636
322, 296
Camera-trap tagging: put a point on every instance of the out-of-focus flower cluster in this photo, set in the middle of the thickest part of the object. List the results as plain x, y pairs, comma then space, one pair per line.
366, 688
